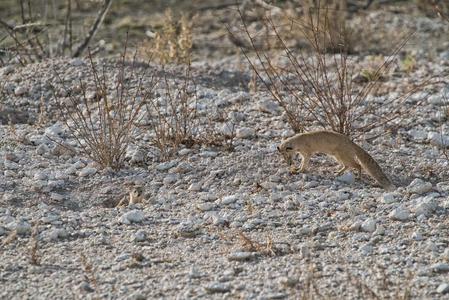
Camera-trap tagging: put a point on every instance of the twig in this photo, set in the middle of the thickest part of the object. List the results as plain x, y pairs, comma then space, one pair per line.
100, 17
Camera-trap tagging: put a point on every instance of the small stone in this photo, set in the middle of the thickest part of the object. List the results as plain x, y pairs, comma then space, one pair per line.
42, 149
426, 206
269, 107
170, 179
367, 249
440, 268
389, 198
57, 233
206, 206
195, 187
218, 287
245, 133
194, 273
419, 186
369, 225
443, 288
23, 228
76, 62
242, 256
140, 236
87, 171
86, 287
133, 216
40, 175
229, 199
417, 236
20, 90
54, 130
166, 165
347, 178
289, 281
188, 230
56, 197
400, 214
438, 139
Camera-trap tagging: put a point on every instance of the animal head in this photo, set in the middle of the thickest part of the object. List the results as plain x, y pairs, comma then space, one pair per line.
136, 194
286, 149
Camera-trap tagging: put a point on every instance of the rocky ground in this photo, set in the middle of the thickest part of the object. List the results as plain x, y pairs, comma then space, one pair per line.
217, 223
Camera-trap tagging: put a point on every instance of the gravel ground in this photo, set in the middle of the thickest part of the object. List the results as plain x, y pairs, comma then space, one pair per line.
218, 224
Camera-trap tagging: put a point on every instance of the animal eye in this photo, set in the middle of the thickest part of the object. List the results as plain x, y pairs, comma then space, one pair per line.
279, 149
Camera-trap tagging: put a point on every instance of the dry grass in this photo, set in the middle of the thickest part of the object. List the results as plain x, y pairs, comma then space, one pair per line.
268, 248
103, 124
89, 271
34, 246
316, 89
174, 119
173, 43
42, 33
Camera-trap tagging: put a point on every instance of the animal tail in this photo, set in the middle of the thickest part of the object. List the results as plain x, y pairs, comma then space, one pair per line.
373, 169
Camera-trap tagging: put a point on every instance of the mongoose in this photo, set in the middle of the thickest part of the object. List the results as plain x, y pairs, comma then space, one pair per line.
135, 196
337, 145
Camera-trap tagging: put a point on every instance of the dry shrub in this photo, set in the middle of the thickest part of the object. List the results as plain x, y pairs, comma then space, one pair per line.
316, 89
44, 33
173, 117
173, 43
102, 116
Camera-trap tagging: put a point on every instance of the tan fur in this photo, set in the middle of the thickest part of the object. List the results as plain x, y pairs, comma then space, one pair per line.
337, 145
135, 196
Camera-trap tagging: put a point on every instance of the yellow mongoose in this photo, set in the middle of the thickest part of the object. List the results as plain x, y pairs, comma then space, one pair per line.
337, 145
135, 196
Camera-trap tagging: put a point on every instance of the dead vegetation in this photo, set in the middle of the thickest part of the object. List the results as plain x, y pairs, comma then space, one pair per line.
102, 117
318, 88
43, 34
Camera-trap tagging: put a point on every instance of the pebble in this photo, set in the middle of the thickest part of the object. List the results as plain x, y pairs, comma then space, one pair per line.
242, 256
140, 236
245, 133
389, 198
399, 214
347, 178
419, 186
218, 287
438, 139
87, 171
133, 216
443, 288
440, 268
166, 165
20, 90
229, 199
369, 225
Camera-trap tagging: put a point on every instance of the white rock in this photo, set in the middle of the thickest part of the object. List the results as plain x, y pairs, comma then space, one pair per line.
242, 256
389, 198
228, 129
194, 273
425, 206
166, 165
438, 139
56, 234
366, 249
419, 186
54, 130
170, 179
22, 227
400, 214
369, 225
76, 62
418, 135
218, 287
443, 288
42, 149
40, 175
20, 90
417, 236
140, 236
56, 196
133, 216
245, 133
184, 151
270, 107
440, 268
229, 199
195, 187
206, 206
87, 171
346, 178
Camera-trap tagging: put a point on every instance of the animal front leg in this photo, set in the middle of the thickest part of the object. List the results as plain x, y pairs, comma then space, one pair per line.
341, 170
304, 163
